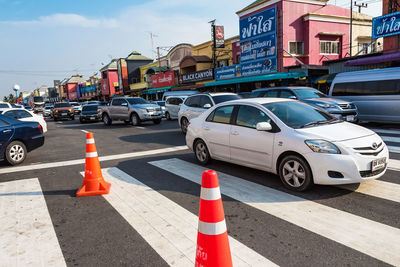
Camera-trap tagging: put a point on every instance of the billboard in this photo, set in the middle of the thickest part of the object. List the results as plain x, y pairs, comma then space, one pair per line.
163, 79
228, 72
386, 25
197, 76
218, 34
258, 43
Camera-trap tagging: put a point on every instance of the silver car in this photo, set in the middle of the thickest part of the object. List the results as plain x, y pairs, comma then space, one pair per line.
196, 104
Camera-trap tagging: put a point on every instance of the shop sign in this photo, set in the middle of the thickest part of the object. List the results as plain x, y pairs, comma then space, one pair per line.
219, 41
386, 25
163, 79
197, 76
228, 72
258, 43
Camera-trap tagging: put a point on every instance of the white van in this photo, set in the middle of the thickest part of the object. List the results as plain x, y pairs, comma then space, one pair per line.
376, 93
184, 93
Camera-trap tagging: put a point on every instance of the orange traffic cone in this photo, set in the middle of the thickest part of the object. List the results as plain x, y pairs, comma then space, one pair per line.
212, 238
93, 183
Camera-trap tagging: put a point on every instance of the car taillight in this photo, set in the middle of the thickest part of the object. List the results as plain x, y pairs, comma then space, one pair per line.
40, 128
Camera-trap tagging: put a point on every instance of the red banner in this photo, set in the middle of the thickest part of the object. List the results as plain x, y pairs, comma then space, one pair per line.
163, 79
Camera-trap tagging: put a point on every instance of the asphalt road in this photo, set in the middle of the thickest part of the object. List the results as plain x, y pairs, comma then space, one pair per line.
94, 231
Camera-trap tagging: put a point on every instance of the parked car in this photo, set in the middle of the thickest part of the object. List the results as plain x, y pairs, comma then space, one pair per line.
5, 105
161, 104
16, 106
172, 105
339, 108
28, 108
130, 110
183, 93
17, 138
25, 115
196, 104
63, 110
90, 113
47, 111
304, 145
376, 93
76, 107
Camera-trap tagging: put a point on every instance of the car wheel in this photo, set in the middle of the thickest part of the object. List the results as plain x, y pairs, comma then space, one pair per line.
106, 120
157, 121
135, 119
127, 122
16, 152
201, 152
184, 125
295, 173
167, 116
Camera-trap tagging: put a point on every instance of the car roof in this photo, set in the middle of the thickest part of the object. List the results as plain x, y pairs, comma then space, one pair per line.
212, 94
7, 109
283, 87
261, 100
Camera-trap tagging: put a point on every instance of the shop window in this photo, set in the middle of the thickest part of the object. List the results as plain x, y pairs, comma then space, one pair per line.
222, 63
329, 47
365, 48
296, 48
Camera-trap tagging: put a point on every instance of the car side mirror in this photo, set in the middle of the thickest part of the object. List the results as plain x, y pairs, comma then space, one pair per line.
207, 106
124, 104
263, 126
292, 97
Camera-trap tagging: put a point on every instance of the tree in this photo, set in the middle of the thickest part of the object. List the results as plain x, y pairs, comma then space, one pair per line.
10, 98
5, 99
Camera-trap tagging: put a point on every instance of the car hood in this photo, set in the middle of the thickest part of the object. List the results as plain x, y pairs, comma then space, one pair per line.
335, 132
146, 106
324, 100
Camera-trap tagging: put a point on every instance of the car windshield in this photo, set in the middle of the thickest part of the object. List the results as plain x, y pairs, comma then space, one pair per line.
136, 101
160, 103
309, 93
90, 108
47, 108
299, 115
223, 98
62, 105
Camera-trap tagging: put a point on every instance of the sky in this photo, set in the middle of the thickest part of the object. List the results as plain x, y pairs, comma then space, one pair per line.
46, 40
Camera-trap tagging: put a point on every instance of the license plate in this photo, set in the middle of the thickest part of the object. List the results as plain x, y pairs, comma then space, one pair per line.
92, 118
378, 164
63, 114
350, 118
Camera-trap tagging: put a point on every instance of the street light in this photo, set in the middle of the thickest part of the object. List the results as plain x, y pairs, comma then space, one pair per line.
16, 88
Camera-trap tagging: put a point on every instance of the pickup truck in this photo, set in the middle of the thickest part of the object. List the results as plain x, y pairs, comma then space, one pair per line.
130, 110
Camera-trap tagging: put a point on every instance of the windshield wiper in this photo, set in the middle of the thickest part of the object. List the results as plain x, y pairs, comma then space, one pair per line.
314, 123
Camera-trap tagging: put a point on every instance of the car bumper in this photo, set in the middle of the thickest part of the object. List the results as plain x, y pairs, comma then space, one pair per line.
150, 116
350, 116
35, 142
90, 117
68, 115
354, 168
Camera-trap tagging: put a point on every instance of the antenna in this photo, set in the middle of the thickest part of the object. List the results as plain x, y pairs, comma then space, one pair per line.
152, 43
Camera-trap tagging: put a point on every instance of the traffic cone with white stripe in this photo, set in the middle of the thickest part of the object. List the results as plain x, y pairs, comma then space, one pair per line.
212, 237
93, 183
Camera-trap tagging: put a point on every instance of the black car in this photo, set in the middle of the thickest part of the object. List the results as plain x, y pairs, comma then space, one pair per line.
89, 113
17, 138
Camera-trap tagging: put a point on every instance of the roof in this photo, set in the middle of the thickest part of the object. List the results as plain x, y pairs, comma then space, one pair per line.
158, 69
75, 79
259, 2
137, 56
110, 66
193, 60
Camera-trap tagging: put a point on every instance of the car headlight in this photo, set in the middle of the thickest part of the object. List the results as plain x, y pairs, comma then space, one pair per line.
322, 146
55, 111
326, 106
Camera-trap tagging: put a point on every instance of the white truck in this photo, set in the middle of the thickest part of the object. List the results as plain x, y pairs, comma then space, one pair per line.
130, 110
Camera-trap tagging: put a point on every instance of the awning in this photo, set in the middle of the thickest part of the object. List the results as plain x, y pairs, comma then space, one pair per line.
156, 90
328, 78
265, 77
374, 60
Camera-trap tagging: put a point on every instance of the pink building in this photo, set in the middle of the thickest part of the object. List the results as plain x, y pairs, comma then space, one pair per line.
70, 86
309, 30
109, 80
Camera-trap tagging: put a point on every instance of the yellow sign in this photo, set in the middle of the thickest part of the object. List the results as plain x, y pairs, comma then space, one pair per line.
87, 83
115, 84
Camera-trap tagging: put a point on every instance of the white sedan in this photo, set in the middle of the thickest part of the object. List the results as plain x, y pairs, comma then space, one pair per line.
302, 144
24, 115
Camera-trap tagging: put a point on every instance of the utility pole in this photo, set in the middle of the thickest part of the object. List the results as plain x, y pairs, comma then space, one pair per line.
351, 27
212, 22
362, 5
158, 56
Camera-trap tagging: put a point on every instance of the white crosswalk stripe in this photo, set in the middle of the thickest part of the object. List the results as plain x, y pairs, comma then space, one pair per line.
27, 235
369, 237
170, 229
392, 137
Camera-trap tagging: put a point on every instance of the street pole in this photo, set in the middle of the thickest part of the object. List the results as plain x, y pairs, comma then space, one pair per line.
212, 22
351, 27
362, 5
158, 56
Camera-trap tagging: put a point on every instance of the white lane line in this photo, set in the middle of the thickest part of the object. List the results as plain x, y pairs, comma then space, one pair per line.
394, 164
84, 131
82, 161
391, 139
386, 131
394, 149
59, 122
377, 188
169, 228
372, 238
27, 233
139, 127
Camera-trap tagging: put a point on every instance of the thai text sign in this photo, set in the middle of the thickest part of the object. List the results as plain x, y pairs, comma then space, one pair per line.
197, 76
386, 25
258, 43
163, 79
228, 72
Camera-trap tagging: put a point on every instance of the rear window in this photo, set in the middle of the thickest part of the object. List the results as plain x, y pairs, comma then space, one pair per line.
89, 108
62, 105
223, 98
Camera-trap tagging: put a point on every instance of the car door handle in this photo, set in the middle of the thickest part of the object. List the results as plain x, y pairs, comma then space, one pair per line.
6, 131
234, 133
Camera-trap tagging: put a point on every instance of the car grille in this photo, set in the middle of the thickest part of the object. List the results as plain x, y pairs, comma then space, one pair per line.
369, 151
366, 174
367, 147
347, 106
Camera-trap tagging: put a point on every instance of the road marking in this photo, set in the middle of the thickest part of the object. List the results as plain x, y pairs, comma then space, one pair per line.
59, 122
386, 131
84, 131
27, 233
169, 228
139, 127
394, 164
394, 149
391, 139
372, 238
82, 161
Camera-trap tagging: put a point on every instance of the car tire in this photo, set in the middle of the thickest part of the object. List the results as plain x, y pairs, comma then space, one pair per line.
127, 122
15, 153
295, 173
201, 152
106, 120
135, 119
184, 123
167, 116
157, 121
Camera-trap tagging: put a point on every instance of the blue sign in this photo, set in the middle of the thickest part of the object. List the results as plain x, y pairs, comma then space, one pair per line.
258, 43
386, 25
228, 72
